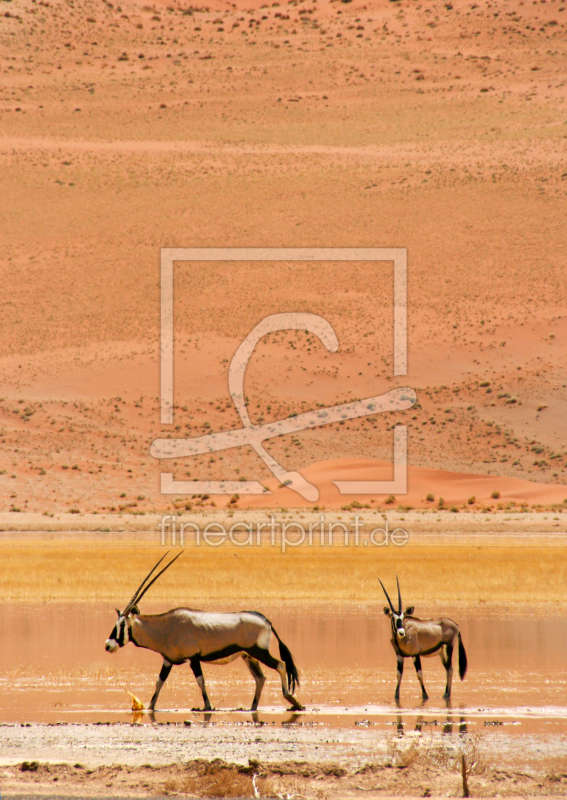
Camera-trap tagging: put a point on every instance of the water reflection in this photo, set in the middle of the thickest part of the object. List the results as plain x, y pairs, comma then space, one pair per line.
453, 721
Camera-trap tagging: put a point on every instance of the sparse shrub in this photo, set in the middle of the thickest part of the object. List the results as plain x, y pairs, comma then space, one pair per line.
441, 502
430, 498
29, 766
472, 500
390, 499
495, 495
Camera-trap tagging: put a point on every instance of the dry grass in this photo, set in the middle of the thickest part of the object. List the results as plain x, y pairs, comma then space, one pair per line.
225, 784
49, 571
218, 779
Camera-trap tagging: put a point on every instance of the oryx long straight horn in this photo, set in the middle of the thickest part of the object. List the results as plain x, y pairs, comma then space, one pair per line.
183, 634
413, 638
387, 596
139, 597
136, 593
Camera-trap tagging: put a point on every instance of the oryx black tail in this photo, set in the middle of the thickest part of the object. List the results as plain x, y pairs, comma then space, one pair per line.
462, 659
287, 658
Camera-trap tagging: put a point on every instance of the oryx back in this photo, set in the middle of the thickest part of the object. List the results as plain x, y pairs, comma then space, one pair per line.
183, 633
425, 637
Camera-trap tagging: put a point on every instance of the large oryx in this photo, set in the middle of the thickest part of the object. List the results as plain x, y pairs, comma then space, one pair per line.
184, 634
413, 638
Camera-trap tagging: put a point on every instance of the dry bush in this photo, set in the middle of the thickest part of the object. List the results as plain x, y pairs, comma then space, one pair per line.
219, 779
556, 774
402, 754
437, 752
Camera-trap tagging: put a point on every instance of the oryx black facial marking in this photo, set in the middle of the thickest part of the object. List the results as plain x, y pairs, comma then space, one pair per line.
416, 638
184, 634
119, 635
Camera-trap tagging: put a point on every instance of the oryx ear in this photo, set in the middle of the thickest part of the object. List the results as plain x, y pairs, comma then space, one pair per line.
387, 611
134, 610
117, 611
409, 610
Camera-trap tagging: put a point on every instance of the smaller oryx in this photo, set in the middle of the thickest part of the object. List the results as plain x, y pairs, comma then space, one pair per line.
413, 638
183, 634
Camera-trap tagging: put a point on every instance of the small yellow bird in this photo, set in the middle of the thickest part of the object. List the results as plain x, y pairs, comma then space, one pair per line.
137, 705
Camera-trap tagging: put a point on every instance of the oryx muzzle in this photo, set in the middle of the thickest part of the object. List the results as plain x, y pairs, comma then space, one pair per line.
184, 634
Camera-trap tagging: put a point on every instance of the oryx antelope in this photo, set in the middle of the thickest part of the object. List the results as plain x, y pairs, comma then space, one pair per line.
183, 634
414, 638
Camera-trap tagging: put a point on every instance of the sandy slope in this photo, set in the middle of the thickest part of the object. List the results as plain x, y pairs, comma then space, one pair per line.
455, 489
125, 128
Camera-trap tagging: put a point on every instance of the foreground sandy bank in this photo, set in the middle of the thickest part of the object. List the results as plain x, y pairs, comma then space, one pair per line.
260, 761
422, 521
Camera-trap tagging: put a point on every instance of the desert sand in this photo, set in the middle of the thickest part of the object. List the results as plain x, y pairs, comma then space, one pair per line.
435, 127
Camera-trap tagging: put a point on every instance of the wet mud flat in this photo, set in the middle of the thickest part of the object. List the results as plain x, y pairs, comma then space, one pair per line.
255, 760
55, 669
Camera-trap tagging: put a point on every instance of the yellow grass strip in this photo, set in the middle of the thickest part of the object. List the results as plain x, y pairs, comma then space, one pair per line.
50, 571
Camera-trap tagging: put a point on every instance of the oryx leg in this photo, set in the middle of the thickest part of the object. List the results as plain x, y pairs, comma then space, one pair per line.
447, 659
417, 663
198, 673
399, 672
258, 675
265, 657
165, 670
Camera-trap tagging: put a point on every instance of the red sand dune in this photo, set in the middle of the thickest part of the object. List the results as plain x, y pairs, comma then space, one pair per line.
454, 487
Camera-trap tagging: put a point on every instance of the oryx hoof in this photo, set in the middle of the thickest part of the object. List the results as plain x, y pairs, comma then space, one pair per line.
447, 696
424, 696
